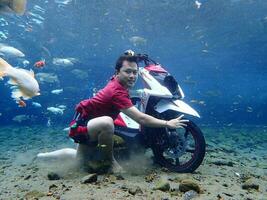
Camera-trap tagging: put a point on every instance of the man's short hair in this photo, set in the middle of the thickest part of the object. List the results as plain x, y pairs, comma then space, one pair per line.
122, 58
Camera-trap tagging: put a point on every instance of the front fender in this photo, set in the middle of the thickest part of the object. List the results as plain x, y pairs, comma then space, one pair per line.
177, 105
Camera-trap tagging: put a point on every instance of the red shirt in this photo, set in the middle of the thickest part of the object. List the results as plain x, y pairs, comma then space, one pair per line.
108, 101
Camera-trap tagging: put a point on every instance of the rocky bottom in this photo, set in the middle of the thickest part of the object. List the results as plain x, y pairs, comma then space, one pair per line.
235, 167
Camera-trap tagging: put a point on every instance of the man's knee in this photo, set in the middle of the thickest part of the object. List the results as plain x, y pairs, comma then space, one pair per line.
108, 125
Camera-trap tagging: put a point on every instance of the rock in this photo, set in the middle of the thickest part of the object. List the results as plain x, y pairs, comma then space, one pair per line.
124, 187
162, 185
53, 176
27, 177
53, 188
98, 166
119, 177
223, 162
34, 195
89, 178
118, 141
187, 185
190, 195
150, 177
249, 185
135, 190
225, 185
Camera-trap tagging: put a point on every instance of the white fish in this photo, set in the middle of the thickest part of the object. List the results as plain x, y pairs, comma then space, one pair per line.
47, 78
3, 35
65, 62
79, 74
23, 81
17, 6
62, 107
36, 105
25, 63
137, 40
67, 129
10, 51
57, 91
198, 4
55, 110
48, 124
20, 118
65, 2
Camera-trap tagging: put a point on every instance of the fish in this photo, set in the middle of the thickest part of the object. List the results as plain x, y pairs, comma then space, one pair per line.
137, 40
249, 109
65, 62
57, 91
47, 78
79, 74
21, 103
198, 4
198, 102
24, 84
16, 6
55, 110
25, 63
39, 64
67, 129
62, 107
9, 51
48, 124
36, 105
65, 2
20, 118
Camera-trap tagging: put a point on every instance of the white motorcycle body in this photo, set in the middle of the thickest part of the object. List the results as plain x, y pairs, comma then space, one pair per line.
154, 88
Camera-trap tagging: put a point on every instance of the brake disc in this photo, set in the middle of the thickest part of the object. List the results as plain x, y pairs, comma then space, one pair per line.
178, 146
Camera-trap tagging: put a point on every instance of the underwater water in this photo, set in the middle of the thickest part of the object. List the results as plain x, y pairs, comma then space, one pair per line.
216, 50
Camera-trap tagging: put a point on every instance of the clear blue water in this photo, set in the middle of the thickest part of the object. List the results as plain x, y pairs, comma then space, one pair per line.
216, 52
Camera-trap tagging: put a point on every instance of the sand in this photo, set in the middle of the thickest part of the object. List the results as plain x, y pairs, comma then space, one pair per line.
236, 157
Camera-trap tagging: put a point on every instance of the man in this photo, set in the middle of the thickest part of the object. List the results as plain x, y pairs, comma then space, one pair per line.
104, 107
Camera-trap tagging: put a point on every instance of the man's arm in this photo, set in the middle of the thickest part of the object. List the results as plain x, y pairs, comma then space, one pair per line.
147, 120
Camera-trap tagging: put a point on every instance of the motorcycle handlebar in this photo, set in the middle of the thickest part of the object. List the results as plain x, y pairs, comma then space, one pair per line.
144, 58
140, 57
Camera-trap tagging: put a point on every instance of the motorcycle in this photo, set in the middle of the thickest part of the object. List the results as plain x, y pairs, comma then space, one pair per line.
180, 150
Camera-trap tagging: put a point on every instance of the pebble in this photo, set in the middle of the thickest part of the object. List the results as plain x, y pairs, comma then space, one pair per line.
53, 176
89, 178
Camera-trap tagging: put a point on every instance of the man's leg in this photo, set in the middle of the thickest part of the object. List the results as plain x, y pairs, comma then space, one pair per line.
100, 129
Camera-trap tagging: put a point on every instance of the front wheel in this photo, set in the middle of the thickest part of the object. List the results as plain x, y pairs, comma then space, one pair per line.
180, 150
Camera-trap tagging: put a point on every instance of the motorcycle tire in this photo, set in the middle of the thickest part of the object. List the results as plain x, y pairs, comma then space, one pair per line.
197, 156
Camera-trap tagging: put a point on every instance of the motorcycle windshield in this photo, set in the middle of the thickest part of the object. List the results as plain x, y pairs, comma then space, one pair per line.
168, 81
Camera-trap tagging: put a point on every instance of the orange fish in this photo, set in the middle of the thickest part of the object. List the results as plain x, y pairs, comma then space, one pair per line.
21, 103
39, 64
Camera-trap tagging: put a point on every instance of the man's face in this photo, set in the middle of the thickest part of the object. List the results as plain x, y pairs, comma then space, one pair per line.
128, 73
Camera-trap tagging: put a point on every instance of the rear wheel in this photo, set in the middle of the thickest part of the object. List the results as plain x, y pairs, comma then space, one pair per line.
180, 150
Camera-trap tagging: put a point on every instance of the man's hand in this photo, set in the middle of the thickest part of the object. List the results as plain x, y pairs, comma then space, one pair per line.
177, 122
80, 109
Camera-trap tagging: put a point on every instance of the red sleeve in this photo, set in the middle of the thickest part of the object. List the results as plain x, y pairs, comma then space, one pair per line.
121, 100
82, 108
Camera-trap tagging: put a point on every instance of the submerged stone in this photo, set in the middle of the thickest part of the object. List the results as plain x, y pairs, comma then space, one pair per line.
89, 178
187, 185
249, 185
53, 176
162, 185
34, 195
